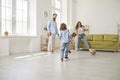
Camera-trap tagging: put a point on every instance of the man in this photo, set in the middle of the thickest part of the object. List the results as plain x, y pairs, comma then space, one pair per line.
52, 32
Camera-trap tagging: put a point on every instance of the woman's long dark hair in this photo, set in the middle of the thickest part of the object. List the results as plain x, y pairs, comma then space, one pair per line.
77, 25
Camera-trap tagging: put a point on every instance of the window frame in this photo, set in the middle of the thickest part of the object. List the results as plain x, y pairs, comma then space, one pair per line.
22, 22
14, 21
0, 17
5, 20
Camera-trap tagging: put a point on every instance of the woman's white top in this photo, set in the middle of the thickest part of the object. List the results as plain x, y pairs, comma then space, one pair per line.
80, 30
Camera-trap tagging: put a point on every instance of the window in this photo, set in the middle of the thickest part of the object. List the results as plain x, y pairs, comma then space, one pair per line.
6, 16
14, 17
58, 4
57, 9
21, 17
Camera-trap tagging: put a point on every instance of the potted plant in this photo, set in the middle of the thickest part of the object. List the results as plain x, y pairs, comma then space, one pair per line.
6, 33
45, 28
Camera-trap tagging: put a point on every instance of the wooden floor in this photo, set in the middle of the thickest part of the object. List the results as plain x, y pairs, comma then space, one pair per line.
47, 66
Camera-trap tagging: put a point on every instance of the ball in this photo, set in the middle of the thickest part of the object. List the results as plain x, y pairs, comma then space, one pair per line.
93, 51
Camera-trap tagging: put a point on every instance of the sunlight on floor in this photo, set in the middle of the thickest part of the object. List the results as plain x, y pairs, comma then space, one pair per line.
32, 56
20, 57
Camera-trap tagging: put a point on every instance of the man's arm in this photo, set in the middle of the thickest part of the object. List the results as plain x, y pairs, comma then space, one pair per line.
60, 35
48, 28
57, 33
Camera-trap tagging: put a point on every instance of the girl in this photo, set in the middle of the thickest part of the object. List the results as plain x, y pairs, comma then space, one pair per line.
81, 35
65, 41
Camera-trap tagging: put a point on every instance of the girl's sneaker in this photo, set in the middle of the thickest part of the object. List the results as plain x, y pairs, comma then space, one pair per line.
69, 51
66, 57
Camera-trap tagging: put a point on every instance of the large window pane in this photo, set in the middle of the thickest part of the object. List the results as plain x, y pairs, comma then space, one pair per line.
19, 4
25, 5
3, 13
19, 15
25, 28
3, 25
57, 4
8, 14
18, 27
24, 16
9, 26
21, 28
6, 26
8, 3
3, 2
21, 18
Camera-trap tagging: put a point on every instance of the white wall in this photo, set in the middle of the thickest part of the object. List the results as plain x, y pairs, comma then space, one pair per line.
64, 8
68, 13
43, 5
18, 45
71, 14
22, 44
103, 16
4, 48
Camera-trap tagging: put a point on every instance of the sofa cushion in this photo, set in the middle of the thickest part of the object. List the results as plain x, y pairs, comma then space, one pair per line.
104, 44
110, 37
111, 43
89, 37
96, 42
98, 37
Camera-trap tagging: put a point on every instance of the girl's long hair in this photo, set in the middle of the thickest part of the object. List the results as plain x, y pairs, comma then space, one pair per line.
77, 25
63, 26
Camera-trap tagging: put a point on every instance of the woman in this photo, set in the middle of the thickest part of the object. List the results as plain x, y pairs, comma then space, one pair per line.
81, 35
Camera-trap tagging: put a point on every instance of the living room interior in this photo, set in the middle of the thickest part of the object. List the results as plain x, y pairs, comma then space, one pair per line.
24, 40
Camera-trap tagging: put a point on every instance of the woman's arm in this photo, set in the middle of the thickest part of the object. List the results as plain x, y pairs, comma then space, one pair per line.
76, 31
85, 29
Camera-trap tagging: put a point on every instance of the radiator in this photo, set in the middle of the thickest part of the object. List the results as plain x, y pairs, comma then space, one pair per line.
19, 45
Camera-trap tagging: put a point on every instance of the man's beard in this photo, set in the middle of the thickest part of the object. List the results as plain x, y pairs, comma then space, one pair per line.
54, 19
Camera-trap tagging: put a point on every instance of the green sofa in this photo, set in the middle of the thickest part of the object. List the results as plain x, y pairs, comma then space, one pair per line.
102, 41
